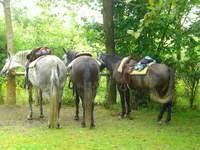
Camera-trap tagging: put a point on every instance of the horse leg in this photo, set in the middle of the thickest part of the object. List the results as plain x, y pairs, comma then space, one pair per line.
59, 107
83, 121
92, 125
162, 112
127, 96
121, 93
77, 100
169, 105
40, 102
30, 99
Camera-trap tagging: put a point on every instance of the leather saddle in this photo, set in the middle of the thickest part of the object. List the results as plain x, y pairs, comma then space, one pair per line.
36, 53
127, 68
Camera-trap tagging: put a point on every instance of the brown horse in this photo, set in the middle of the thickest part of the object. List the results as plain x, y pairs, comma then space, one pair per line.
84, 73
159, 80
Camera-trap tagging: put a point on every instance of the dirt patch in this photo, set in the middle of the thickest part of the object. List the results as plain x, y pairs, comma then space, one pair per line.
17, 115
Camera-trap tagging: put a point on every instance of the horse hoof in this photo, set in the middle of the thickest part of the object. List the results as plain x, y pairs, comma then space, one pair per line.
59, 126
167, 121
41, 116
83, 125
29, 117
76, 117
159, 122
122, 116
92, 126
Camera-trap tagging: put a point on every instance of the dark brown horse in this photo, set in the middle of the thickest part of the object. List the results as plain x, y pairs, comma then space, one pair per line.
84, 73
159, 80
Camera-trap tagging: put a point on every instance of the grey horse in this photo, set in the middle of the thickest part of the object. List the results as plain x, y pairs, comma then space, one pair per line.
84, 73
159, 80
48, 73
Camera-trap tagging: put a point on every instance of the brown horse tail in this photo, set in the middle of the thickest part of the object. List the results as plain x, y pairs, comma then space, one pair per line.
170, 92
54, 98
88, 95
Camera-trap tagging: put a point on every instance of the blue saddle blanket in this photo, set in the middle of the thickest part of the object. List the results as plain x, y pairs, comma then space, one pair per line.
143, 63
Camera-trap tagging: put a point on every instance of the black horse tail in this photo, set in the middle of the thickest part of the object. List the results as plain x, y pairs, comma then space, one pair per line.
171, 88
54, 98
170, 92
88, 94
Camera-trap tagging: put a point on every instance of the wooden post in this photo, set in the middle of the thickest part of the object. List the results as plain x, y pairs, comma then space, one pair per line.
11, 85
110, 45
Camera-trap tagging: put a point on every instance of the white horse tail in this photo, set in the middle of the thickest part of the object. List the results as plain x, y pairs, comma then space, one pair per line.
88, 95
54, 97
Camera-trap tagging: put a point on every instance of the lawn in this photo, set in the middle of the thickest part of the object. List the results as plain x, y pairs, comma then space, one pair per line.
140, 133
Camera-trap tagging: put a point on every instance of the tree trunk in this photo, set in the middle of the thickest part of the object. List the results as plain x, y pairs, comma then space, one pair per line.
11, 96
110, 45
1, 94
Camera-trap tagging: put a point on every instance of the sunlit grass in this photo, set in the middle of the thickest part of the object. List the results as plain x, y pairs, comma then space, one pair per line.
141, 133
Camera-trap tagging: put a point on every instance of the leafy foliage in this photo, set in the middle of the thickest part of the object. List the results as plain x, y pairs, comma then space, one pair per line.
157, 28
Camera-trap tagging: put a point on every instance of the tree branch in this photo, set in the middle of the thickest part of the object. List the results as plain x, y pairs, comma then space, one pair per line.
2, 2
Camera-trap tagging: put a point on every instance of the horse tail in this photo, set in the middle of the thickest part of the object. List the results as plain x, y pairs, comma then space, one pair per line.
171, 88
88, 95
170, 91
54, 98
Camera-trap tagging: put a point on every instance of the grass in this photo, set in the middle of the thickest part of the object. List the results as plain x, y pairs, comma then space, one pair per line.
141, 133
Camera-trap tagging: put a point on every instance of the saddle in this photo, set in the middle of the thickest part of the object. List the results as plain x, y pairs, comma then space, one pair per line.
78, 55
36, 53
130, 67
83, 54
127, 68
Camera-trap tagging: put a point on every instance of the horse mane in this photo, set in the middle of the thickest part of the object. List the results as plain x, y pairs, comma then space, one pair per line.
114, 58
21, 56
71, 54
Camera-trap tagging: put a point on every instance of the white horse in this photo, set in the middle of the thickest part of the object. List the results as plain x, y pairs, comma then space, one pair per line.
48, 73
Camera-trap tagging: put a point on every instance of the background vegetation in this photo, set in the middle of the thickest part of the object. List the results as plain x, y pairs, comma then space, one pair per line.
162, 29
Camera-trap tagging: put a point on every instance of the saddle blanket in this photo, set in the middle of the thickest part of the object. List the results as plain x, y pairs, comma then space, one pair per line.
139, 69
143, 71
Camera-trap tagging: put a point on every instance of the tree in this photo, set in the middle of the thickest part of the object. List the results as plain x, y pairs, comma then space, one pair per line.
11, 87
110, 45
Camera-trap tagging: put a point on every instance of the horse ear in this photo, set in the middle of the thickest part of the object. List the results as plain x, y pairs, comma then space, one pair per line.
64, 51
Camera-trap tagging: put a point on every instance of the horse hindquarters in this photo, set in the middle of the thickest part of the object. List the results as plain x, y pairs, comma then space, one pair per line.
168, 94
168, 97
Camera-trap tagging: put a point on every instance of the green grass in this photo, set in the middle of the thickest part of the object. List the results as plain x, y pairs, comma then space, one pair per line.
141, 133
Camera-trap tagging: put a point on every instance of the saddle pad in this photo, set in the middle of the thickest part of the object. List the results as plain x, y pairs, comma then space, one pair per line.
32, 64
143, 71
122, 63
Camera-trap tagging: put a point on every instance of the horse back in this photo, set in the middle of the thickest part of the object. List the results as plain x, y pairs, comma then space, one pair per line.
157, 76
43, 66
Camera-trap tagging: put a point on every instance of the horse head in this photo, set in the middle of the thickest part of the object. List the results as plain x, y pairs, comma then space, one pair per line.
109, 60
7, 67
68, 56
15, 61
